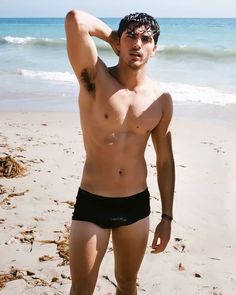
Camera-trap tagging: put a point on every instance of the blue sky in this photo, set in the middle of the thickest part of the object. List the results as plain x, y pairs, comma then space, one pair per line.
164, 8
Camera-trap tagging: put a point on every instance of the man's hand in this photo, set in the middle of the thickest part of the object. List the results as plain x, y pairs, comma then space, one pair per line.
162, 233
114, 41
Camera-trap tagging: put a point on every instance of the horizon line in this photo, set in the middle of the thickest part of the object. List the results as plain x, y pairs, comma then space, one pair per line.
197, 17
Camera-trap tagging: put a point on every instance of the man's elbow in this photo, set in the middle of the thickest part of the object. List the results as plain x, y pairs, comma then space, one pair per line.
74, 17
71, 17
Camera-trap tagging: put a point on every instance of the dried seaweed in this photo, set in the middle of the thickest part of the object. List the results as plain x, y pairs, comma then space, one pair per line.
63, 250
6, 202
70, 203
9, 168
26, 237
2, 189
45, 258
62, 246
14, 274
17, 194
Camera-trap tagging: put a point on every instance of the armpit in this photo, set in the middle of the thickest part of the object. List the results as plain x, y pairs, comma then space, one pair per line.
87, 79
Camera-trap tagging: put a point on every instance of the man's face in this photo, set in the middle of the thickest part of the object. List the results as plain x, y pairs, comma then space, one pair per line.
137, 46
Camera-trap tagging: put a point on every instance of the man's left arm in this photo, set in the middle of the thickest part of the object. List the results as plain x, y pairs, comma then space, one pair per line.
161, 137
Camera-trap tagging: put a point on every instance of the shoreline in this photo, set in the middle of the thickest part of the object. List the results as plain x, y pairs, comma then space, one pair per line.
189, 110
203, 111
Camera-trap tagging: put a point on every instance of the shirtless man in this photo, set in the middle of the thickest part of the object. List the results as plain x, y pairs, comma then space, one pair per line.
120, 107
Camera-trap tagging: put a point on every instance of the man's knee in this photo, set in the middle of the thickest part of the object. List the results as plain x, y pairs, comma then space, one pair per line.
126, 284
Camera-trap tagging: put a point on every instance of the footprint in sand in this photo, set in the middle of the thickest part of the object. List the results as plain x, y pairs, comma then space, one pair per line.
217, 149
179, 245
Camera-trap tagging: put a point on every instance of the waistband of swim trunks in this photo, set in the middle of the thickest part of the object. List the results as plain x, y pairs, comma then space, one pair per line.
143, 193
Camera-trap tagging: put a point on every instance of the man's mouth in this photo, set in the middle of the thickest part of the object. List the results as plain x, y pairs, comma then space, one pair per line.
136, 53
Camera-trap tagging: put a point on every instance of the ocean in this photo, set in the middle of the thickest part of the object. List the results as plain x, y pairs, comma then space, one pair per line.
195, 62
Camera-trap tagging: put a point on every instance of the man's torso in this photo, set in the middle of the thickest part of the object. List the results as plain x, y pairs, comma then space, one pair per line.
116, 125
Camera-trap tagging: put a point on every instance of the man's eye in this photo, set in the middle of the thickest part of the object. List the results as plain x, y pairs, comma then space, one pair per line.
131, 35
146, 39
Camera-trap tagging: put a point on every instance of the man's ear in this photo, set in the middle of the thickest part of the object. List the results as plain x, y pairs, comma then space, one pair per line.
154, 50
118, 43
118, 46
115, 42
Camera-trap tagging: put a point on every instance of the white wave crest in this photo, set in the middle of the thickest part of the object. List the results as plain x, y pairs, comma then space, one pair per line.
197, 52
167, 47
55, 76
180, 92
32, 41
192, 93
18, 40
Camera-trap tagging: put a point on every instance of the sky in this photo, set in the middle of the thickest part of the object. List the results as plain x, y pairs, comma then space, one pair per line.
113, 8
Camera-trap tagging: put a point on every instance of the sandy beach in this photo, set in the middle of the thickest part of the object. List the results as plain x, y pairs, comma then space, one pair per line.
36, 209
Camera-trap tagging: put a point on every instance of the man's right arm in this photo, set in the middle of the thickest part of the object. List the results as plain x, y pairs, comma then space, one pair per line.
82, 52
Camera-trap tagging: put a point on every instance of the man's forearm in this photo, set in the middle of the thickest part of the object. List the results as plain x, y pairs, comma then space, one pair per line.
91, 24
166, 183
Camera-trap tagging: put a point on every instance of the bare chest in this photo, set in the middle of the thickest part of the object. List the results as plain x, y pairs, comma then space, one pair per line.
135, 113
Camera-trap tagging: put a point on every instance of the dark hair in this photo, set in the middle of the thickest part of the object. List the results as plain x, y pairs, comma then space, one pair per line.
136, 20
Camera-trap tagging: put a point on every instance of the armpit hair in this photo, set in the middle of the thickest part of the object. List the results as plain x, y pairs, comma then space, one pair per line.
87, 80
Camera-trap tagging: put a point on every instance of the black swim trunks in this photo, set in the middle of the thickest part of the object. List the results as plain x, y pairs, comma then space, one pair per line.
109, 212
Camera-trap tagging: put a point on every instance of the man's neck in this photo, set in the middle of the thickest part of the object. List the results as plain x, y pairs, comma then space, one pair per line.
129, 77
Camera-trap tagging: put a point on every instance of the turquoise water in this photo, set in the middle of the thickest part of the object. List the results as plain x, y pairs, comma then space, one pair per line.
195, 61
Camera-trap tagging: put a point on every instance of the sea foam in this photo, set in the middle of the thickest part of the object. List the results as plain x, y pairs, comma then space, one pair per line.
180, 92
32, 41
192, 93
55, 76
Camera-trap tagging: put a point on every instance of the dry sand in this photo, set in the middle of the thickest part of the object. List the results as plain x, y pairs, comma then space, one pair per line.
200, 258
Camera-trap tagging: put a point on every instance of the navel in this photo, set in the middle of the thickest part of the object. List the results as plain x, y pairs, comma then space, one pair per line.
120, 172
106, 116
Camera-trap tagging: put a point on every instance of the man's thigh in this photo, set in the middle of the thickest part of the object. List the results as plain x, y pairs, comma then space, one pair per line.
129, 244
88, 244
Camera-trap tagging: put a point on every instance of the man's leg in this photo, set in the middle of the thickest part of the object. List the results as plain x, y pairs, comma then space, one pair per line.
88, 244
129, 244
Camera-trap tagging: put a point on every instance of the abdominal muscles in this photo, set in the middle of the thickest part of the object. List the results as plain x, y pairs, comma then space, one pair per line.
115, 164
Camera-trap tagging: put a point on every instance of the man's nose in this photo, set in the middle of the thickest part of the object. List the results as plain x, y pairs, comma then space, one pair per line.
137, 43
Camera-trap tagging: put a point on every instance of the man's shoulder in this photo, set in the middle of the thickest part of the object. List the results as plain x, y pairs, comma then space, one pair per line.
161, 94
163, 98
166, 98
